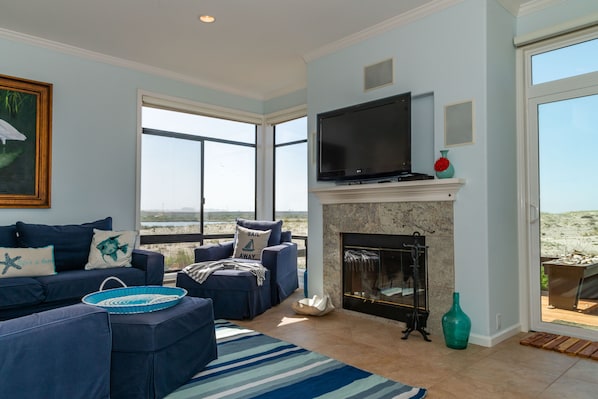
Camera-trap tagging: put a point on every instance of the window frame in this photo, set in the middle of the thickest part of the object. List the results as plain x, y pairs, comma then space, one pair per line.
285, 144
529, 95
153, 101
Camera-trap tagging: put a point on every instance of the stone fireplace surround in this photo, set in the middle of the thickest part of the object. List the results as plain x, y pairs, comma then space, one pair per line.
394, 208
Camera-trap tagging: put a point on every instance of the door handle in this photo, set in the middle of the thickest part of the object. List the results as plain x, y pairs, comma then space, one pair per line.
534, 213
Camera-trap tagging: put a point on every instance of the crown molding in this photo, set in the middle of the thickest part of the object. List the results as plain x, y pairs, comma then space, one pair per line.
290, 88
586, 21
120, 62
286, 115
511, 6
385, 26
532, 6
181, 104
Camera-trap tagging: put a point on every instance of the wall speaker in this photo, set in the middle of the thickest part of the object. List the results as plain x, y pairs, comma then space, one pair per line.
458, 124
378, 75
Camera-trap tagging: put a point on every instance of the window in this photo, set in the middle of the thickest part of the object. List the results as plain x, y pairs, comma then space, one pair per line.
565, 62
290, 179
198, 174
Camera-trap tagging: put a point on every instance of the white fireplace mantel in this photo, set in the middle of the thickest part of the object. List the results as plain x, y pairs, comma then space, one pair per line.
405, 191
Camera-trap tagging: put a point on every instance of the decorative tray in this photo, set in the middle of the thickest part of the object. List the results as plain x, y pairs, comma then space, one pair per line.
138, 299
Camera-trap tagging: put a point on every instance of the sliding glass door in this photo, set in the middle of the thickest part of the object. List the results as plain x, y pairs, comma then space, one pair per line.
562, 193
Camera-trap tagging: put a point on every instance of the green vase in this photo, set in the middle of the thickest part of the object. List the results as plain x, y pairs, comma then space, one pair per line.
448, 172
456, 326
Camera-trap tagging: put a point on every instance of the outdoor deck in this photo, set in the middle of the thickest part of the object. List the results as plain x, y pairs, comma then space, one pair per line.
586, 315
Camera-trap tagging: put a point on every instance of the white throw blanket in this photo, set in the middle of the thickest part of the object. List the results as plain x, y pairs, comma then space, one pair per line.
202, 270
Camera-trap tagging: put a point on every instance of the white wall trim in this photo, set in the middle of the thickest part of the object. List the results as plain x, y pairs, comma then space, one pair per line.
556, 30
181, 104
530, 7
522, 204
403, 191
120, 62
492, 340
286, 115
385, 26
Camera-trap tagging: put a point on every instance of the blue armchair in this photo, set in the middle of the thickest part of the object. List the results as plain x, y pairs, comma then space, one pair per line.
279, 257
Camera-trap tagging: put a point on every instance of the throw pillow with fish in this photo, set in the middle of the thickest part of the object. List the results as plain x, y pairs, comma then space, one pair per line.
111, 249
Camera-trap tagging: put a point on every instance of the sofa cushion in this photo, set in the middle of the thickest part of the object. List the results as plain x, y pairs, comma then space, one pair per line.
249, 244
26, 262
111, 249
275, 226
20, 291
78, 283
71, 242
8, 236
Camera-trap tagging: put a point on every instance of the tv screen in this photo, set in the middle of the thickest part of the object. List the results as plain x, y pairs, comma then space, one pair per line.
365, 141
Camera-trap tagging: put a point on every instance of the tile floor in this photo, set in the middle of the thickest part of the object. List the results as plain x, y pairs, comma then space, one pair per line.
508, 370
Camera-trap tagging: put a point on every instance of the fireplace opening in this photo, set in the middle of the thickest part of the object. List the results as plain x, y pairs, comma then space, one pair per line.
379, 277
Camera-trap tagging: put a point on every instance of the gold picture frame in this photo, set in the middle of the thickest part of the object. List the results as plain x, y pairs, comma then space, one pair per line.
25, 143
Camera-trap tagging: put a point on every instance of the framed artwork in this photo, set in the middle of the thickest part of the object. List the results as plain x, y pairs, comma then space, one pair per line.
458, 124
25, 143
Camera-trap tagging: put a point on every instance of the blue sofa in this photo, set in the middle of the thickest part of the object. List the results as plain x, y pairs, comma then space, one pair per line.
82, 352
61, 353
21, 296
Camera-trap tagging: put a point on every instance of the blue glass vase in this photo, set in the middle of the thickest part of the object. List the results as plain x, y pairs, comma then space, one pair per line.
456, 326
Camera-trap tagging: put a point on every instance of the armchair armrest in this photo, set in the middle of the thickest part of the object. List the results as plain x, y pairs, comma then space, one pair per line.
281, 260
214, 251
152, 263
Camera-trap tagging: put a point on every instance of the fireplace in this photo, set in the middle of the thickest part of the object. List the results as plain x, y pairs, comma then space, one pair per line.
401, 208
434, 220
385, 275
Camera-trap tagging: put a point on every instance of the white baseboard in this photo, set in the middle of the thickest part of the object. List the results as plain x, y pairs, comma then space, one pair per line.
490, 341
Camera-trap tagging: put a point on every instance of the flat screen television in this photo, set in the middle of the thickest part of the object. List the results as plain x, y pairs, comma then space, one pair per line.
365, 141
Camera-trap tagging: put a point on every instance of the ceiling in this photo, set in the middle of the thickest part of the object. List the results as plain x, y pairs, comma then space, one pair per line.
256, 48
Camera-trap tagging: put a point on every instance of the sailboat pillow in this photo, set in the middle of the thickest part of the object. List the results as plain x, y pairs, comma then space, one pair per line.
249, 244
111, 249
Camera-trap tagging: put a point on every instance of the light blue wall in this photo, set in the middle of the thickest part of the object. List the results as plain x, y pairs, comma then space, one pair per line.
287, 101
462, 53
94, 131
503, 268
471, 59
443, 54
559, 12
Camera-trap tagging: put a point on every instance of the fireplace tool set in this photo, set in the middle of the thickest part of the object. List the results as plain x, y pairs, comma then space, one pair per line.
417, 320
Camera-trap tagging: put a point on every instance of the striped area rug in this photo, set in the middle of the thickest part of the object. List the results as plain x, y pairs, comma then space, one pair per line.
254, 365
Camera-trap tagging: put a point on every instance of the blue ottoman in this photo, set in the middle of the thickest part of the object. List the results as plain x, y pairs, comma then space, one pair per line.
155, 353
235, 293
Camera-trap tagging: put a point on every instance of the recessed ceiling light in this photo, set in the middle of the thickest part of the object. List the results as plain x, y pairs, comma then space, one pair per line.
208, 19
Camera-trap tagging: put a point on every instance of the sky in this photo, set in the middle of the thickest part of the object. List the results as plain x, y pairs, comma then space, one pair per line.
230, 169
568, 132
